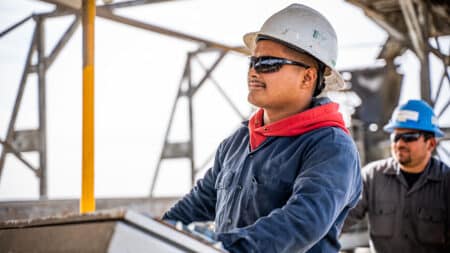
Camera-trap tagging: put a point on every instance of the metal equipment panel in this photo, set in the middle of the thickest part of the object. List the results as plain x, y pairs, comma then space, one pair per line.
109, 231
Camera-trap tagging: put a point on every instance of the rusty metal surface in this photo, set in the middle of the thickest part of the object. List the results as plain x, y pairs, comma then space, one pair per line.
86, 237
106, 231
64, 219
14, 210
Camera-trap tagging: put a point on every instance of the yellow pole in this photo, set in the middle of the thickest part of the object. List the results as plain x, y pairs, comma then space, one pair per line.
87, 203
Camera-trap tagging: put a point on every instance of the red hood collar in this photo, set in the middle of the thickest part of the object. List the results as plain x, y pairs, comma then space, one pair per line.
320, 116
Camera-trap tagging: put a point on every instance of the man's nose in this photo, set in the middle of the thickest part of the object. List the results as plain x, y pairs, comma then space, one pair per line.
401, 143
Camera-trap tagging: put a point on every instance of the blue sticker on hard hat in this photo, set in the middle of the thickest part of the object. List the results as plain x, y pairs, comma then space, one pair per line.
404, 115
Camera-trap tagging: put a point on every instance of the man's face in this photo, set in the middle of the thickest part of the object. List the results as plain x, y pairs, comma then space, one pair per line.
411, 153
284, 88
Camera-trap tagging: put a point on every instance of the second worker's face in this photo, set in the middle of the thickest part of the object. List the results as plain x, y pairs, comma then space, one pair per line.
282, 87
409, 147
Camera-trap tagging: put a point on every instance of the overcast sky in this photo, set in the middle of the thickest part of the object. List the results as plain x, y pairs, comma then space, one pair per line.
136, 79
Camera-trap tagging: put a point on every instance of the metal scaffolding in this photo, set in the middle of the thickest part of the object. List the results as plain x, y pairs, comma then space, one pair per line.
417, 25
411, 24
187, 90
17, 142
34, 140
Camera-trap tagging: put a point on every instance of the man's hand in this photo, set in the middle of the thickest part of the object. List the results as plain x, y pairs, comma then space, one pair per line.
201, 230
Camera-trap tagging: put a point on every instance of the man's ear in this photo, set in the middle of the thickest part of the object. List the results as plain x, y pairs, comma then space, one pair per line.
431, 144
309, 78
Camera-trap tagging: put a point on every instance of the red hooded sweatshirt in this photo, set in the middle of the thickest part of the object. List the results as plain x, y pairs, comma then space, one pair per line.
320, 116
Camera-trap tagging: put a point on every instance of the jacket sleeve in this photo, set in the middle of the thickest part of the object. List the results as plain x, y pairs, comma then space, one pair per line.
447, 186
200, 203
327, 185
358, 213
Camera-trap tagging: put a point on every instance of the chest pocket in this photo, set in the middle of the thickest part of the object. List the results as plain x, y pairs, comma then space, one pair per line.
382, 220
431, 226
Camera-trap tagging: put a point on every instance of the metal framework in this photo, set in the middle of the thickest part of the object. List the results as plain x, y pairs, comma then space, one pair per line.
187, 90
18, 142
411, 24
415, 25
34, 140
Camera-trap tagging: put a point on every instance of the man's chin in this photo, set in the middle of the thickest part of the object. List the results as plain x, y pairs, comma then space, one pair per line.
404, 161
253, 101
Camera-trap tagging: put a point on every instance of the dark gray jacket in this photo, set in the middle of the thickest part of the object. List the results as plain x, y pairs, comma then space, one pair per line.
403, 219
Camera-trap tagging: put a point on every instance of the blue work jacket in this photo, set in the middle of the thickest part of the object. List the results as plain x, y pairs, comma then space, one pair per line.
291, 194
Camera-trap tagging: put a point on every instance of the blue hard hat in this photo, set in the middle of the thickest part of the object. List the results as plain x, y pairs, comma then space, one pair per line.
415, 114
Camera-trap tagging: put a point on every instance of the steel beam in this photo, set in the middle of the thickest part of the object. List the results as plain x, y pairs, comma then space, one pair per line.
104, 13
208, 72
223, 93
16, 108
15, 25
380, 20
189, 93
87, 201
76, 4
63, 41
414, 29
169, 127
132, 3
41, 67
19, 156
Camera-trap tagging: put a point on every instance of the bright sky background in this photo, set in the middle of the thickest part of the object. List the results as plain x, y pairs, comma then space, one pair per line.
137, 75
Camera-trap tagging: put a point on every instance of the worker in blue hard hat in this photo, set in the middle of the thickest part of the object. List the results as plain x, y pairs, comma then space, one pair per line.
407, 197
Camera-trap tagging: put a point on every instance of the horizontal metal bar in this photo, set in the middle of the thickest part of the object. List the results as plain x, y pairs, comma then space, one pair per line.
105, 12
131, 3
72, 4
32, 69
176, 150
17, 154
149, 27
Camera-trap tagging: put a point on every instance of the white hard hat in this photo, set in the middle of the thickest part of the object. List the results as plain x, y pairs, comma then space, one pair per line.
303, 28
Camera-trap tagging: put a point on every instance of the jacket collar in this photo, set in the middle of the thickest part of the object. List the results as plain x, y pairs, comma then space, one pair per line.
431, 171
316, 101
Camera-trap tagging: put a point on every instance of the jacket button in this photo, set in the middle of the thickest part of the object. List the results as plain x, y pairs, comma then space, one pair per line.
405, 235
239, 187
229, 221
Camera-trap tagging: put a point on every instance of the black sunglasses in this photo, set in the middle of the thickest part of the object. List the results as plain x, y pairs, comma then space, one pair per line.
270, 64
406, 137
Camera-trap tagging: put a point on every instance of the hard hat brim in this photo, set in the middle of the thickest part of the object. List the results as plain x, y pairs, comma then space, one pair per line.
333, 79
390, 127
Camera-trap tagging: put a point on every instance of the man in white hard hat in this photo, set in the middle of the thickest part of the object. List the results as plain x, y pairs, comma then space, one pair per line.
284, 181
407, 197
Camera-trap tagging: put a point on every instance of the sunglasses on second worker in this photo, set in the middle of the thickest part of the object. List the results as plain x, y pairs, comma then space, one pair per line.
270, 64
406, 137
